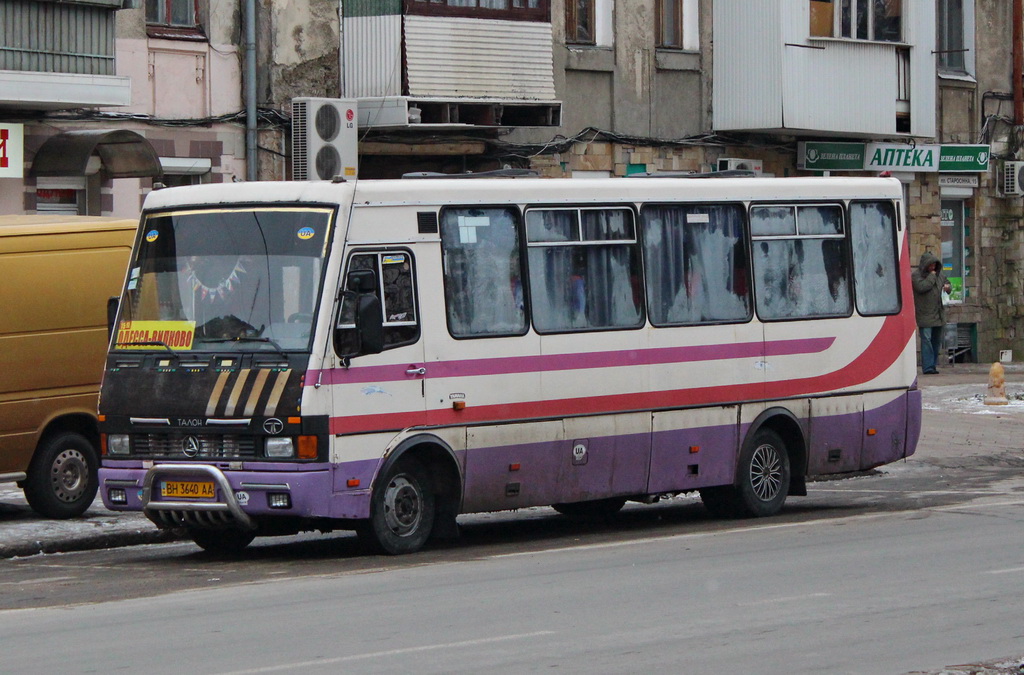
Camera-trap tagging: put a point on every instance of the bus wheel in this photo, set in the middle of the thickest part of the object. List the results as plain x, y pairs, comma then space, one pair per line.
401, 510
221, 542
762, 480
63, 478
596, 508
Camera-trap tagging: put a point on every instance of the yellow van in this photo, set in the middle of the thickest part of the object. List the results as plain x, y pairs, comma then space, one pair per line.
56, 275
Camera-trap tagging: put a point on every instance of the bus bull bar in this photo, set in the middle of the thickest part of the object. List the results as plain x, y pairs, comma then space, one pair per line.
207, 515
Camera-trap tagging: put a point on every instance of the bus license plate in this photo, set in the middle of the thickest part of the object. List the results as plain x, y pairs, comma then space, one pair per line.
183, 488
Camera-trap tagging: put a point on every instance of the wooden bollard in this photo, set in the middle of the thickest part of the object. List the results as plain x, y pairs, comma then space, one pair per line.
996, 385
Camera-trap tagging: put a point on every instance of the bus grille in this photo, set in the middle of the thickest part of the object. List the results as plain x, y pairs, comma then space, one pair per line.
211, 446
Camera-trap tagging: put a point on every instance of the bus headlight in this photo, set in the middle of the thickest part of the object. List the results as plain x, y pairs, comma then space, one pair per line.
117, 444
280, 448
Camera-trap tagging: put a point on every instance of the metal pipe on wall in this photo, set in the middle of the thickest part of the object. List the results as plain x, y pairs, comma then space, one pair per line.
251, 147
1018, 62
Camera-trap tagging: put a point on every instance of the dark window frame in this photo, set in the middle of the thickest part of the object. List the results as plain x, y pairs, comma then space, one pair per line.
573, 24
677, 41
161, 27
897, 228
541, 13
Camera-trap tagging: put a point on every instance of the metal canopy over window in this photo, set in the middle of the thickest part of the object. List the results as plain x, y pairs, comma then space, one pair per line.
122, 153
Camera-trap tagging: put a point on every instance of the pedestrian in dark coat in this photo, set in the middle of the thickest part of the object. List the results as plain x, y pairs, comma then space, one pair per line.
929, 283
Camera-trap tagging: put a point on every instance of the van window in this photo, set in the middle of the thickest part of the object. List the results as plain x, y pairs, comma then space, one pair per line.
875, 278
397, 292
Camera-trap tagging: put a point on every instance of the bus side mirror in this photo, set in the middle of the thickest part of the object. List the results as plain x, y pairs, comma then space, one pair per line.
359, 328
112, 304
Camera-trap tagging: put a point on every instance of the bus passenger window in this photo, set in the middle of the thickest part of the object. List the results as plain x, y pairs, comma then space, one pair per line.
396, 286
483, 280
801, 276
696, 262
875, 277
584, 269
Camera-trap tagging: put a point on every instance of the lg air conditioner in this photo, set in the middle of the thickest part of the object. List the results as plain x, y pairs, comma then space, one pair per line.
325, 138
739, 164
1012, 183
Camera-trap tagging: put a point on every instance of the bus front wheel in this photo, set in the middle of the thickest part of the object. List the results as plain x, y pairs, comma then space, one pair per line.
401, 510
62, 480
762, 480
221, 542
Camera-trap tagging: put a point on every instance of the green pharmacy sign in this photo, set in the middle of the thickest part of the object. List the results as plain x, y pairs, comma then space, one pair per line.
877, 157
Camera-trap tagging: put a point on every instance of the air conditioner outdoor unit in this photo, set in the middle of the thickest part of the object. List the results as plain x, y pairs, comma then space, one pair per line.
325, 138
739, 164
1012, 184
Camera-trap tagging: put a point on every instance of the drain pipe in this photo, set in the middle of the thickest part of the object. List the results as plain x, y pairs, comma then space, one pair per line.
1018, 62
251, 148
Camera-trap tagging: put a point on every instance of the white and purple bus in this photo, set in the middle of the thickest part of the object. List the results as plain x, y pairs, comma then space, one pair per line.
386, 355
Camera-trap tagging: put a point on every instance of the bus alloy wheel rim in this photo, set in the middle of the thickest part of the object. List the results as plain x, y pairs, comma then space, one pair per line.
766, 472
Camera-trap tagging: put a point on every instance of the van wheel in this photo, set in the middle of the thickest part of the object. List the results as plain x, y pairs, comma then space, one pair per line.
221, 542
762, 480
63, 477
401, 510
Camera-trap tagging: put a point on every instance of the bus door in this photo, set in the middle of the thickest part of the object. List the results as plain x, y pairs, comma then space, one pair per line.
381, 392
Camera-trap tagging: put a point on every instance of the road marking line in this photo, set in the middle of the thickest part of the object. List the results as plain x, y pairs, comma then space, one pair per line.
919, 492
390, 652
697, 535
980, 505
1009, 570
791, 598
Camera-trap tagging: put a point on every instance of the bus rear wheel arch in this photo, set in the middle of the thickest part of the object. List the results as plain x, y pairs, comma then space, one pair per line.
763, 477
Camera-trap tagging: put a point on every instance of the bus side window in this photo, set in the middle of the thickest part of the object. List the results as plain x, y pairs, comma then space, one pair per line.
875, 278
801, 264
483, 278
396, 291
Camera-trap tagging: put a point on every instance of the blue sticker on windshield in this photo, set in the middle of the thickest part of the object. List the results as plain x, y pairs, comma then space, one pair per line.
306, 233
152, 235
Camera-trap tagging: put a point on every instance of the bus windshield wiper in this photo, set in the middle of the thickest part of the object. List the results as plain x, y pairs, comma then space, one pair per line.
146, 343
244, 338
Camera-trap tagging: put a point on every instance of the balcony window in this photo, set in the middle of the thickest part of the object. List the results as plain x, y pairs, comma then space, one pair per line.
950, 42
177, 13
515, 10
878, 20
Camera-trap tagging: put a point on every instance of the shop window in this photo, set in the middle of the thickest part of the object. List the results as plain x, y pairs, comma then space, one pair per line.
953, 246
880, 20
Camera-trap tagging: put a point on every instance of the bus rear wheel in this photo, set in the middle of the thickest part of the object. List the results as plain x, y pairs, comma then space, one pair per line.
63, 478
402, 509
762, 480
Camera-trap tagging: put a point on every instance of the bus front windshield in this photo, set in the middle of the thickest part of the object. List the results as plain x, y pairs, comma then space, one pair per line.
227, 279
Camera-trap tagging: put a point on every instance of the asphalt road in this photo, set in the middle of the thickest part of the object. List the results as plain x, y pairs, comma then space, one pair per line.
917, 568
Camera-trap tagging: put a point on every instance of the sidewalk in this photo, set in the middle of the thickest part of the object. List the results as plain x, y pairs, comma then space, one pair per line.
955, 423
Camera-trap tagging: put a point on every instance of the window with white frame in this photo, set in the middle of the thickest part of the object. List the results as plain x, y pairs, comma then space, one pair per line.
878, 20
677, 24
